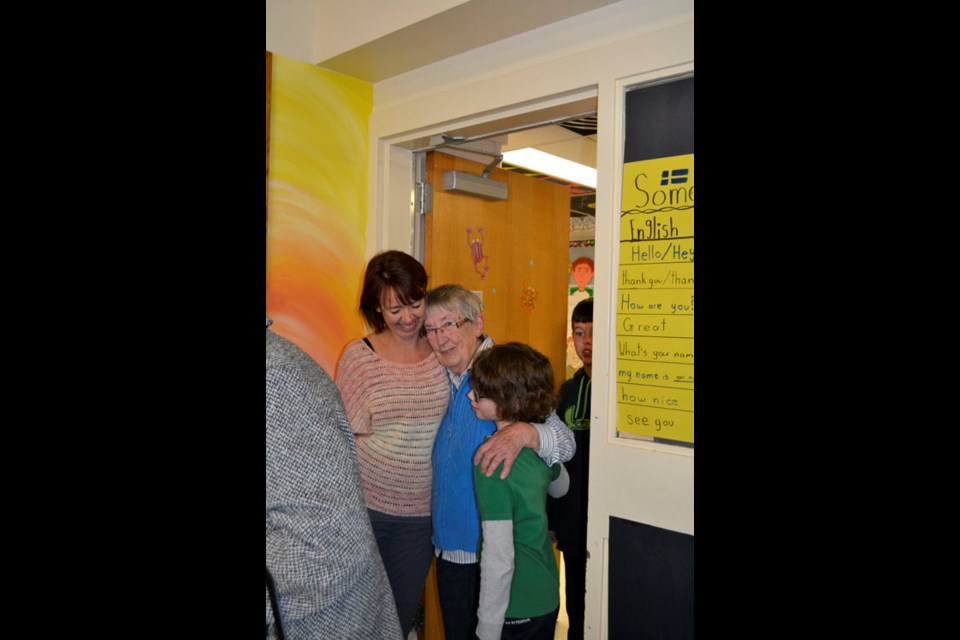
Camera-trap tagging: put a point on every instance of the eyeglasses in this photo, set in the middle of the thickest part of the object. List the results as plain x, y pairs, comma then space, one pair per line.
476, 394
446, 328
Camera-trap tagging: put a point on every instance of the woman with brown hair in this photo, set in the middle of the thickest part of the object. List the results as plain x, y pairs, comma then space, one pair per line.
395, 392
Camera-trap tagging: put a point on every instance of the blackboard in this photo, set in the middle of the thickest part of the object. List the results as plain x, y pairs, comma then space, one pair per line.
659, 121
650, 582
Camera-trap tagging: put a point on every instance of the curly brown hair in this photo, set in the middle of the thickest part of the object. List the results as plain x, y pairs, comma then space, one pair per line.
518, 378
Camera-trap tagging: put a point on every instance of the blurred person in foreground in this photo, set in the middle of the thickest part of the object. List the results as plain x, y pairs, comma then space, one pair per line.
320, 550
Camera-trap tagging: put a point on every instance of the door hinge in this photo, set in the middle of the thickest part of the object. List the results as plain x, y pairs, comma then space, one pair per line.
423, 197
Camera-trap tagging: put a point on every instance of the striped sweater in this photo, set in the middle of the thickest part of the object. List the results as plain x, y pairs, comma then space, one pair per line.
394, 410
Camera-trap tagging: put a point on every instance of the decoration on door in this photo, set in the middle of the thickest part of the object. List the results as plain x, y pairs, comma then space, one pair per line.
581, 270
528, 299
476, 251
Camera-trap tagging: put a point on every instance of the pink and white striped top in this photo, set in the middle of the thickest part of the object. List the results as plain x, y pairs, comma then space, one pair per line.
395, 410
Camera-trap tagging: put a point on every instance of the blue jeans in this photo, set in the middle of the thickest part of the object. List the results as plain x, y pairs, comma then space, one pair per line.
407, 552
459, 587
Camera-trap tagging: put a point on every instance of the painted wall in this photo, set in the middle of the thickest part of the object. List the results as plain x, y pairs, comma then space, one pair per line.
317, 206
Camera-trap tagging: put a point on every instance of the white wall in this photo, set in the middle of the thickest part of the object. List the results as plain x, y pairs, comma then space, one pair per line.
625, 43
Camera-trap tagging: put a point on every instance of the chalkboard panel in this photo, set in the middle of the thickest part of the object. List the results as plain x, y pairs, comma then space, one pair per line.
650, 582
659, 121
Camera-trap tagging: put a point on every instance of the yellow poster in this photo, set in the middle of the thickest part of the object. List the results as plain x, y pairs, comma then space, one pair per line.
655, 301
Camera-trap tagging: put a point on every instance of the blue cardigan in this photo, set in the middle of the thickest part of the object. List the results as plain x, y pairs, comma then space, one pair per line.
456, 521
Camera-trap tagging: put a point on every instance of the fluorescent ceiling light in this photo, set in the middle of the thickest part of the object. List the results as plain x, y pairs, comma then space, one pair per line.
552, 165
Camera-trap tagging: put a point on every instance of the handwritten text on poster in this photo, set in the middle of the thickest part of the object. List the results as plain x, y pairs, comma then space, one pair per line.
655, 301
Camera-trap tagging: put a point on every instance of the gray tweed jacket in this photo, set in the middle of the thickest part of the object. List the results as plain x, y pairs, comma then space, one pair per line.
320, 547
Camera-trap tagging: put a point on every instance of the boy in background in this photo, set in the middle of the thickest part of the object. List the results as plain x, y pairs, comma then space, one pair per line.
519, 581
568, 514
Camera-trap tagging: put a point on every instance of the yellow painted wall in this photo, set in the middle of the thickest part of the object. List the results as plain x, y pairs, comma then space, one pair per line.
317, 206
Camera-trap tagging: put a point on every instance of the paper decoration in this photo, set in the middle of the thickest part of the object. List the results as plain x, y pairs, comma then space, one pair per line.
476, 252
528, 299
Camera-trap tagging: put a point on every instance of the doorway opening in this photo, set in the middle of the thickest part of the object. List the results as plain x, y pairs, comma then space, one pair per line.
441, 219
568, 131
572, 138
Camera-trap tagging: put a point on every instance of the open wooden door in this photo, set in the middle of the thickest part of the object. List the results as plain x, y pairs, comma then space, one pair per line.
515, 252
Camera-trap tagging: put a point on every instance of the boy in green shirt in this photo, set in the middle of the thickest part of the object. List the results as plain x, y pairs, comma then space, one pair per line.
519, 581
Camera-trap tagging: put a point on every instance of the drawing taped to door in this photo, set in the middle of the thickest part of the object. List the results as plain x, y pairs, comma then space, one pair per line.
480, 260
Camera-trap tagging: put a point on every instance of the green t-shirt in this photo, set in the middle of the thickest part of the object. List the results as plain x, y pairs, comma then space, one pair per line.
535, 588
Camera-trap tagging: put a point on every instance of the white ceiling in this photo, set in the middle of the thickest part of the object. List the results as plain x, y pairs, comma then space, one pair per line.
378, 39
462, 28
375, 40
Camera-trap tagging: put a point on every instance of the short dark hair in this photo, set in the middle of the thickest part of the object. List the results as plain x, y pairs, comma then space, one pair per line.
390, 270
518, 378
583, 312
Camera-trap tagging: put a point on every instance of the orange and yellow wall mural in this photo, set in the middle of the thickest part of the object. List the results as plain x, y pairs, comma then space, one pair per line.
316, 206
